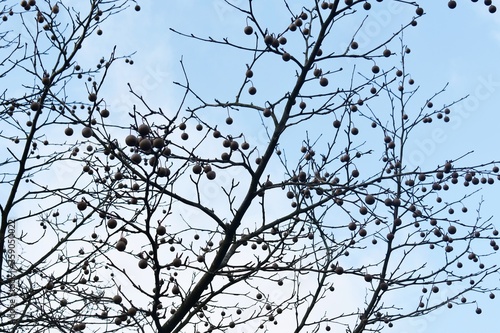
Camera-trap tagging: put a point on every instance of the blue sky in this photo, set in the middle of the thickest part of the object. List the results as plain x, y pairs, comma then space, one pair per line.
459, 46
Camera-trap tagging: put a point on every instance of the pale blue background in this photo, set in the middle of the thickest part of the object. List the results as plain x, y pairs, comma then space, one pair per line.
459, 46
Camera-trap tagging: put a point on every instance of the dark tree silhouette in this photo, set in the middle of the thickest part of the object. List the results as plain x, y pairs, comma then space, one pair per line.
43, 47
258, 209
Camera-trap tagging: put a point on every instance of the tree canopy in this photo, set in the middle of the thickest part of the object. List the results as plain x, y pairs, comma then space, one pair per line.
279, 187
